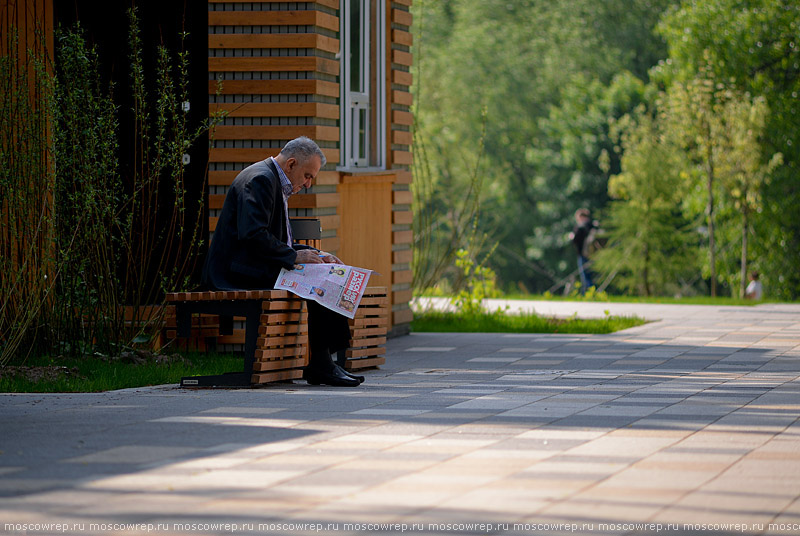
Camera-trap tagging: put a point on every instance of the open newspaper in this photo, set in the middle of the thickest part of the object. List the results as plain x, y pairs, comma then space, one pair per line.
335, 286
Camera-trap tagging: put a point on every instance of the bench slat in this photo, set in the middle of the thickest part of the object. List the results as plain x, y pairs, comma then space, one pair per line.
372, 311
361, 343
367, 301
360, 333
367, 362
279, 318
260, 366
283, 305
369, 322
276, 353
282, 344
269, 342
214, 295
281, 329
277, 376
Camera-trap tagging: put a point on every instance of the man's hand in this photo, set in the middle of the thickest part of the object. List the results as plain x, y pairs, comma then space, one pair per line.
328, 257
308, 256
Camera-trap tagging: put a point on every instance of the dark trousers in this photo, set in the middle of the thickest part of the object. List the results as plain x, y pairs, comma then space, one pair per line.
586, 274
328, 332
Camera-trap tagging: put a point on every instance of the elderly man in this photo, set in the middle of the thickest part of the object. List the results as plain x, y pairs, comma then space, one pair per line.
253, 241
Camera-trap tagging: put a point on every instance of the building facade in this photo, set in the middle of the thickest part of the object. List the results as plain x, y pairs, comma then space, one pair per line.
337, 71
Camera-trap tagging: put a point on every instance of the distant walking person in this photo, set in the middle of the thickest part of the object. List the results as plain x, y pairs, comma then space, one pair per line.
582, 237
754, 290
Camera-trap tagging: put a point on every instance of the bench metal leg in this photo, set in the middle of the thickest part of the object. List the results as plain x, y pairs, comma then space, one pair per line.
226, 311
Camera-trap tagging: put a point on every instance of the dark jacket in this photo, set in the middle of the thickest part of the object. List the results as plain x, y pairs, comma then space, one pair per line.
249, 246
583, 235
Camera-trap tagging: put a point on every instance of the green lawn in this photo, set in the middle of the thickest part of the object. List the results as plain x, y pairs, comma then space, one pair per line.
689, 300
437, 321
93, 374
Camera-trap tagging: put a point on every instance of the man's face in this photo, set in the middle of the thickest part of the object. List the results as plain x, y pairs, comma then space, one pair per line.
302, 175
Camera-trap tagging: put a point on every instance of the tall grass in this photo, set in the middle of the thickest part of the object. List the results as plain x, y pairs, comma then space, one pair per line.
500, 322
27, 267
86, 249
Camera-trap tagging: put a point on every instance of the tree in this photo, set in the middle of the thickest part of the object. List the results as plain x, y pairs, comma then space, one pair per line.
721, 130
647, 251
742, 167
693, 116
549, 76
754, 46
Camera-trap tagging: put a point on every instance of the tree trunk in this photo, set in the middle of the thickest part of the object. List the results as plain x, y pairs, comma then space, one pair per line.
743, 275
710, 212
646, 270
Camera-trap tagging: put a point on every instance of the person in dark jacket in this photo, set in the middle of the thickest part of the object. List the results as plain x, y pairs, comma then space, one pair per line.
582, 237
253, 241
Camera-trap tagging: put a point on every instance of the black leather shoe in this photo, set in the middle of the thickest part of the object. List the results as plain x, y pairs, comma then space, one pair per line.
354, 376
336, 377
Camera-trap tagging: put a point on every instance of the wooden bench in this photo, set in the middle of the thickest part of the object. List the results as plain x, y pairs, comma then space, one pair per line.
280, 348
275, 335
276, 332
368, 332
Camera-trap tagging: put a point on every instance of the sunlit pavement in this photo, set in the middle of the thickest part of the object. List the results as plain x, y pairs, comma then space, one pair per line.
686, 425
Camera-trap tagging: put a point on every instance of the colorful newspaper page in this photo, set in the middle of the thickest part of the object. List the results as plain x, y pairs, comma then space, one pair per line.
336, 286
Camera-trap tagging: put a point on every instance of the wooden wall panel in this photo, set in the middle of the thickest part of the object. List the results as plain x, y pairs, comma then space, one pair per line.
281, 109
333, 4
271, 98
274, 87
367, 232
26, 38
248, 156
233, 41
400, 142
257, 17
402, 256
33, 19
273, 71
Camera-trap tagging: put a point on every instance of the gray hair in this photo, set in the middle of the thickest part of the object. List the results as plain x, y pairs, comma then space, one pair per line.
303, 148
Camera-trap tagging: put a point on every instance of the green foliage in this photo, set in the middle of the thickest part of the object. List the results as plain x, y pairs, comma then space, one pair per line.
499, 322
156, 230
720, 129
532, 90
87, 251
446, 216
99, 373
591, 294
478, 283
679, 300
26, 185
647, 250
88, 194
753, 47
548, 81
744, 172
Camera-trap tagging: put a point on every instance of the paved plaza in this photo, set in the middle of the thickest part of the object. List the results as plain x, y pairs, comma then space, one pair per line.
685, 425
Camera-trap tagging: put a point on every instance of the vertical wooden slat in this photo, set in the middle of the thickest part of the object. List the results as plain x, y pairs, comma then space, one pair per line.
399, 150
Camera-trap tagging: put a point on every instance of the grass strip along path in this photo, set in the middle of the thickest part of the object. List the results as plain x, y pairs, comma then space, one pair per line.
91, 374
499, 322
